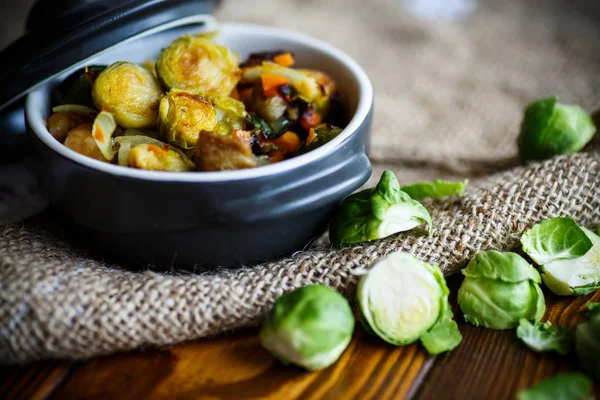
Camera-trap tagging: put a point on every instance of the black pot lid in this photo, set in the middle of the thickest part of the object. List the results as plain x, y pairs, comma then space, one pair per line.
60, 33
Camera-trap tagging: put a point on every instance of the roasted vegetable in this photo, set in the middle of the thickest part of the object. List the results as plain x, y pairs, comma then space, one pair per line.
231, 114
403, 299
80, 139
499, 289
550, 128
309, 327
216, 152
147, 153
197, 65
130, 92
568, 255
103, 129
320, 135
270, 108
77, 88
60, 123
183, 115
376, 213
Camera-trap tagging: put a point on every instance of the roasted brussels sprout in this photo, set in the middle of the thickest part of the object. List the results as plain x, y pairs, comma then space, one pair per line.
309, 327
183, 115
130, 92
80, 139
126, 143
403, 299
499, 289
231, 114
197, 65
216, 152
157, 158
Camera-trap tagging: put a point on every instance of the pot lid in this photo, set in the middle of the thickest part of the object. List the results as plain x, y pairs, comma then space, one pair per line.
60, 33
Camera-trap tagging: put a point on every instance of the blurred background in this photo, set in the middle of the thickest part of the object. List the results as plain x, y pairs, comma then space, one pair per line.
451, 77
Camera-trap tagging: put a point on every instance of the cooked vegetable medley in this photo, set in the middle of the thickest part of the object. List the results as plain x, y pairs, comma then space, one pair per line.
197, 108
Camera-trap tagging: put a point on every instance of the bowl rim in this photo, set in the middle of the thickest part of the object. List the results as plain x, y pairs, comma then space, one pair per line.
365, 101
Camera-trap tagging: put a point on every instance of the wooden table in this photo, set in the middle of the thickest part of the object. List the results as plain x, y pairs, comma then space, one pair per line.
487, 365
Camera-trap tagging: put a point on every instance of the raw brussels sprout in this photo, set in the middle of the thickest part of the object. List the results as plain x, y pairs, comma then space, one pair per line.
435, 189
403, 299
541, 337
183, 115
127, 143
102, 131
566, 386
130, 92
77, 88
550, 128
197, 65
216, 152
587, 342
499, 289
80, 139
376, 213
230, 113
309, 327
568, 255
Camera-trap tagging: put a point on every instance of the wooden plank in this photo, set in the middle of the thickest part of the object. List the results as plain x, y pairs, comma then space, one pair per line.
496, 364
236, 366
34, 382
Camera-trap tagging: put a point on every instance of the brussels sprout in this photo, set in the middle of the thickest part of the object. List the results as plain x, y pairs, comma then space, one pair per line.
309, 327
499, 289
102, 131
566, 386
80, 139
550, 128
230, 113
183, 115
197, 65
77, 88
435, 189
216, 152
403, 299
320, 135
127, 143
569, 255
587, 342
130, 92
157, 158
541, 337
376, 213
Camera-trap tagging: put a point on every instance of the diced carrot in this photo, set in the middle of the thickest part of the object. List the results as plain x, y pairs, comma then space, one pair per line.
289, 141
156, 150
99, 135
271, 82
310, 119
312, 136
285, 59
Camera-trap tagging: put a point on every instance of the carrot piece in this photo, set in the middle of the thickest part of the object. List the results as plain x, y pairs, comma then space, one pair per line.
310, 119
271, 82
289, 141
285, 59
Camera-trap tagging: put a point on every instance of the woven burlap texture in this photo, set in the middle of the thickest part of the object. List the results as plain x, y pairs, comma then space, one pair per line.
58, 304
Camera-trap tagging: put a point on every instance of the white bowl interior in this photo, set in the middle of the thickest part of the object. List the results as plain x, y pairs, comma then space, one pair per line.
353, 86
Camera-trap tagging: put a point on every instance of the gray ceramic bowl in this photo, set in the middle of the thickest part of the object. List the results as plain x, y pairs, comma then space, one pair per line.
228, 218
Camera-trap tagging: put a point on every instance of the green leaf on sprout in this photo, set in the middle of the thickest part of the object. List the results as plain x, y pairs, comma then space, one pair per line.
566, 386
541, 337
435, 189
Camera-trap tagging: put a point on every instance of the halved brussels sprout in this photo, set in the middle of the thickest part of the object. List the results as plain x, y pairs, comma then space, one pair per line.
150, 154
197, 65
80, 139
126, 143
231, 114
102, 130
216, 152
183, 115
130, 92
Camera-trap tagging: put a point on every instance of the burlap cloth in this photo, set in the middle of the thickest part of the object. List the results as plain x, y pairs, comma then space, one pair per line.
450, 89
